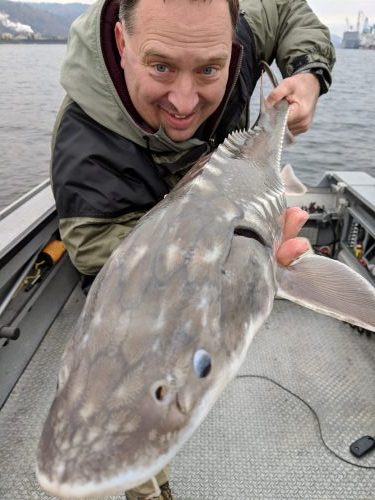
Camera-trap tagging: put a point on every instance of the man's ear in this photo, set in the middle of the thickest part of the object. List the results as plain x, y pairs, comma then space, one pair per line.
120, 42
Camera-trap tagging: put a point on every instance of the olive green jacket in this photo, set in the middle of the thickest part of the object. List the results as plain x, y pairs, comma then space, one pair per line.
93, 112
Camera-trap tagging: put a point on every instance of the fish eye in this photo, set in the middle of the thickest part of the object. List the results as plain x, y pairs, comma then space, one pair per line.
202, 363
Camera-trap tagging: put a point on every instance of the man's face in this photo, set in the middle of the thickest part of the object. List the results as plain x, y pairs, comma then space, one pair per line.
176, 62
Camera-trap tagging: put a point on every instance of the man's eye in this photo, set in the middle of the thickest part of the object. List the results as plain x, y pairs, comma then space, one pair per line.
209, 70
161, 68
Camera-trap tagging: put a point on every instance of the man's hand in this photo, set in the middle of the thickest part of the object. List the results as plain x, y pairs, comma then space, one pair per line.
292, 247
302, 92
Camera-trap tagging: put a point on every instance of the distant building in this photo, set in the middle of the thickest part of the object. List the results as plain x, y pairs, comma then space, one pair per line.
350, 40
359, 39
368, 41
6, 36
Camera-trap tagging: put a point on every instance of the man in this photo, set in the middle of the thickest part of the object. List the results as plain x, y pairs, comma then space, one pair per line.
154, 85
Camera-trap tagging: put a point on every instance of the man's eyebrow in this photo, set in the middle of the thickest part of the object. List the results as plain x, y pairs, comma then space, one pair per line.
215, 59
152, 54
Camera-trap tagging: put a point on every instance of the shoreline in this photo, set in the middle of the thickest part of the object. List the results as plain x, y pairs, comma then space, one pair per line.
50, 41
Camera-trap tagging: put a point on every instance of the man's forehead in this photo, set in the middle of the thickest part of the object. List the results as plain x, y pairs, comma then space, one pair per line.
169, 3
147, 10
183, 24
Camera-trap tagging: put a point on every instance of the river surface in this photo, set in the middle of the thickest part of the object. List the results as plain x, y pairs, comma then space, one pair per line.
341, 138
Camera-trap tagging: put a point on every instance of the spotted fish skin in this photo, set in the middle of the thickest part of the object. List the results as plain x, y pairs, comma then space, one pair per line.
168, 320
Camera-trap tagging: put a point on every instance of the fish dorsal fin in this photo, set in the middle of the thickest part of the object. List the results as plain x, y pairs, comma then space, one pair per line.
293, 186
231, 147
329, 287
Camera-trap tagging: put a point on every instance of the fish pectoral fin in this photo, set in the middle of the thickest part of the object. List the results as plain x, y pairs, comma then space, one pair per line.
293, 186
329, 287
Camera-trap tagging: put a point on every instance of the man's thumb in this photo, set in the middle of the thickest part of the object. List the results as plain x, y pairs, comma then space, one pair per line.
277, 94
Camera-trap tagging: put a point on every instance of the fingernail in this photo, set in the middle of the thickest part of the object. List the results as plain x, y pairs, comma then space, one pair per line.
304, 216
305, 247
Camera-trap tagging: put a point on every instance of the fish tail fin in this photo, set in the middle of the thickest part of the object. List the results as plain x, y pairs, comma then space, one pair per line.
266, 69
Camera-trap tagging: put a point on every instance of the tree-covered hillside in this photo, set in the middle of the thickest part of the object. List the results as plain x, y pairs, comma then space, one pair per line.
49, 20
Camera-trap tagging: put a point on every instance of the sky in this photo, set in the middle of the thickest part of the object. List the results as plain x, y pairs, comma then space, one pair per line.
331, 12
334, 12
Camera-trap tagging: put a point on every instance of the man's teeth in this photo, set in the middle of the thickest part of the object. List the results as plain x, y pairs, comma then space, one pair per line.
176, 115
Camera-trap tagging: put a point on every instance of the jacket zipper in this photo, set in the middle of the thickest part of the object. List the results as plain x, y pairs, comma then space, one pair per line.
211, 140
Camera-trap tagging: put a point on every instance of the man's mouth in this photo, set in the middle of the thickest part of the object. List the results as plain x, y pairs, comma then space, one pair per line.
176, 115
178, 120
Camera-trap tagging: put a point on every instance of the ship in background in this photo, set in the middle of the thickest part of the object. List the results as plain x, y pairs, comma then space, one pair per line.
357, 39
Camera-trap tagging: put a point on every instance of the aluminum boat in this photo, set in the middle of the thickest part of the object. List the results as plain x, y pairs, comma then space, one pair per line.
295, 422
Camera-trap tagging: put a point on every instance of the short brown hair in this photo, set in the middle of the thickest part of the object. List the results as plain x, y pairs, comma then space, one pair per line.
127, 7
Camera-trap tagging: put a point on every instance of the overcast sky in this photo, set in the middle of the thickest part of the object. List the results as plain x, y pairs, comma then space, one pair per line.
331, 12
334, 12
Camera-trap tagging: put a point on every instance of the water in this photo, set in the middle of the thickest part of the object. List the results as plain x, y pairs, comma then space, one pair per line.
30, 95
341, 138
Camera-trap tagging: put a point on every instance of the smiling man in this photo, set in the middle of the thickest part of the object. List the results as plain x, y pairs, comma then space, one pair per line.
176, 77
152, 85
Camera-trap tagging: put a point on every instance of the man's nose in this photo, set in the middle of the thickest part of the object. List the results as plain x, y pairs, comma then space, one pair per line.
184, 96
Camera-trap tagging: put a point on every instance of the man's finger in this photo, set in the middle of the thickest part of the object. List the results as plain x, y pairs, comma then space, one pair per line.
290, 250
278, 93
293, 113
295, 219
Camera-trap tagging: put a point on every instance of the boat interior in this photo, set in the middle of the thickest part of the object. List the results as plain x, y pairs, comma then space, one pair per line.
297, 422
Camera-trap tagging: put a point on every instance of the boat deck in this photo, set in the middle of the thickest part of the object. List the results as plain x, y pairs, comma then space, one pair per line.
281, 430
